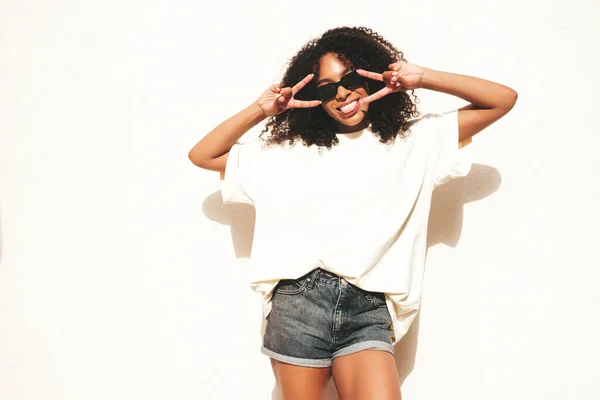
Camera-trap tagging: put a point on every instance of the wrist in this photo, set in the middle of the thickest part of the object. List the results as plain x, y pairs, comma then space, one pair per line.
257, 112
428, 79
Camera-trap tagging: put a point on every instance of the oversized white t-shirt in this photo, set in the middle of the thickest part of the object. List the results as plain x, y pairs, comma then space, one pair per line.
359, 210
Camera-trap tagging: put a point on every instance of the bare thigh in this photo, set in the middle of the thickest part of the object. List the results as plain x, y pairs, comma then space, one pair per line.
365, 375
300, 383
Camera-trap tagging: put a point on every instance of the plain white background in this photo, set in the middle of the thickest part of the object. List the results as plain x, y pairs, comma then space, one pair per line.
118, 271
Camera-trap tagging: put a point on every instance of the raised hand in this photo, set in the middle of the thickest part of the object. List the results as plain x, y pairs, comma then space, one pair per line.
402, 76
276, 99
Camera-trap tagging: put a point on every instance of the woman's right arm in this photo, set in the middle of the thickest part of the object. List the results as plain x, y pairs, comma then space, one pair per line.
211, 151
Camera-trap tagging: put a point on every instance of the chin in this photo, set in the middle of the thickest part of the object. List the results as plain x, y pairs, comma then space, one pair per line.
351, 121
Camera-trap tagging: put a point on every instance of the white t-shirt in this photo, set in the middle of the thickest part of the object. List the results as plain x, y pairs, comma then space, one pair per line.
359, 210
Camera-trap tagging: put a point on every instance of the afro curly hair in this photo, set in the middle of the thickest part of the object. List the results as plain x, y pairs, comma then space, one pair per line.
356, 47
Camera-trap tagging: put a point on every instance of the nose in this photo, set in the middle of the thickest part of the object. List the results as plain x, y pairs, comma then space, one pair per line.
342, 93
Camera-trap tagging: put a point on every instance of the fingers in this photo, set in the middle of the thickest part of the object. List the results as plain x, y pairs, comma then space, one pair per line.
276, 89
389, 76
305, 104
377, 95
391, 79
286, 92
396, 66
371, 75
286, 96
283, 96
298, 86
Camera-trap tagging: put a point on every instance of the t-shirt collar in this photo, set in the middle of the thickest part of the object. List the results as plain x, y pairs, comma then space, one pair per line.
354, 135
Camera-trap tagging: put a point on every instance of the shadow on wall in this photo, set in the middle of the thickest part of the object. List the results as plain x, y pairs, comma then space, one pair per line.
239, 216
1, 241
445, 226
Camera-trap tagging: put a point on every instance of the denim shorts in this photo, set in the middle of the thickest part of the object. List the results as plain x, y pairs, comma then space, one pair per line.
320, 316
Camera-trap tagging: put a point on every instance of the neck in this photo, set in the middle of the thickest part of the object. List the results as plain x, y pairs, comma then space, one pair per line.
341, 128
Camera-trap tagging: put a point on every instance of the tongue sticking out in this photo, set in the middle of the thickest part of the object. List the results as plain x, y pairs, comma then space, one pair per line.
348, 107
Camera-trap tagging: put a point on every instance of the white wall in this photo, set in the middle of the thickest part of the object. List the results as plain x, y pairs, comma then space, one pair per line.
118, 277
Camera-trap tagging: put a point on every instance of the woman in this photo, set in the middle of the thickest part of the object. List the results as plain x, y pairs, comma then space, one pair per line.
342, 188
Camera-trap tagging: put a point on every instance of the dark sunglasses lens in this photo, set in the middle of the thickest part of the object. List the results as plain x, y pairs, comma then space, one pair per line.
352, 81
326, 92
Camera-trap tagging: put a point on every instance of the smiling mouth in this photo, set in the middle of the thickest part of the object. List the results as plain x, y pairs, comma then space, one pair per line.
349, 108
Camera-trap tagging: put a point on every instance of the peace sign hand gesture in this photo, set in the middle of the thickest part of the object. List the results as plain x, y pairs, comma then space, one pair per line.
276, 99
402, 76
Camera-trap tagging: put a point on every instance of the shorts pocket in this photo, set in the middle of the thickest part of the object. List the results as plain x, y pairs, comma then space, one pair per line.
377, 298
292, 286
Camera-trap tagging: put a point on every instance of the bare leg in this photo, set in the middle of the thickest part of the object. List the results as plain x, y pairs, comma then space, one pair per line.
300, 383
366, 375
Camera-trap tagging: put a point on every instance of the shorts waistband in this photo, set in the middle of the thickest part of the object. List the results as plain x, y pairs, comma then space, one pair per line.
326, 274
320, 274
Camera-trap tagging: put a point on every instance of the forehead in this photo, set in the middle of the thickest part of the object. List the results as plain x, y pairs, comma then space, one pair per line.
330, 66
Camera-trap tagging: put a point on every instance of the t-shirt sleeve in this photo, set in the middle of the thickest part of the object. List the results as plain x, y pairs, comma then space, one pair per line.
238, 184
450, 160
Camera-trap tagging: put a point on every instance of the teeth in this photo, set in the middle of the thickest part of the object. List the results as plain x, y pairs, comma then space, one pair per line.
348, 107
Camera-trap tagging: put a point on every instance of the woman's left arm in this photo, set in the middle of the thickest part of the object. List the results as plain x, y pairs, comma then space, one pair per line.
490, 101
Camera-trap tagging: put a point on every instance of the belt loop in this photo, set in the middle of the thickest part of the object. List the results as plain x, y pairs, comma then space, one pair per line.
312, 278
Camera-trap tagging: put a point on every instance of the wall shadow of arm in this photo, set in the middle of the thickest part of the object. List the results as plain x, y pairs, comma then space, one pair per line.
445, 226
446, 215
239, 216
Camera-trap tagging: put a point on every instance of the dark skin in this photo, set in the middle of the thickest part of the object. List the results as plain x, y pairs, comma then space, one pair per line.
211, 151
331, 69
367, 373
490, 101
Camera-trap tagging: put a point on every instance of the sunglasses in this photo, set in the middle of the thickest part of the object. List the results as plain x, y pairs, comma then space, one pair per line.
350, 81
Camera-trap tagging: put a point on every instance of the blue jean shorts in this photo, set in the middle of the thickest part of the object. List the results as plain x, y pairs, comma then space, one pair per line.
320, 316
